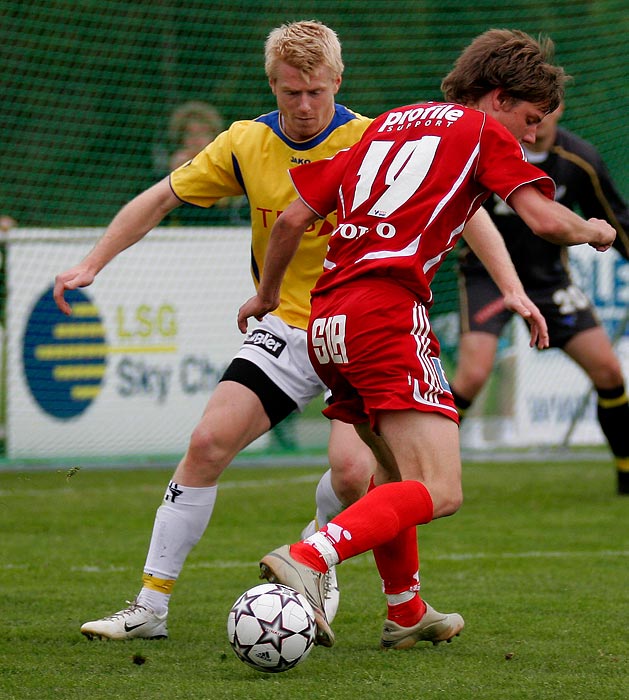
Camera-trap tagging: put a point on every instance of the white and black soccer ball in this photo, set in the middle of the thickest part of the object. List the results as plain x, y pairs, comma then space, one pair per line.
271, 627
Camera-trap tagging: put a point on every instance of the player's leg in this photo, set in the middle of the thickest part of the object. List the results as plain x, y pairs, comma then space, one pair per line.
428, 459
574, 328
409, 618
233, 418
351, 465
482, 317
251, 397
394, 366
477, 352
592, 350
398, 559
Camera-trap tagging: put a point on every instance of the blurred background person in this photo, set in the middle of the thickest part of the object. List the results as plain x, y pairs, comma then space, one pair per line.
7, 222
191, 127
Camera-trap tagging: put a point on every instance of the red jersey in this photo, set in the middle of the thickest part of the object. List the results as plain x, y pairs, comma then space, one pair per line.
405, 191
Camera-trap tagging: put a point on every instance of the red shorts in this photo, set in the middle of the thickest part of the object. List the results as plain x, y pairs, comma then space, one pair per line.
370, 341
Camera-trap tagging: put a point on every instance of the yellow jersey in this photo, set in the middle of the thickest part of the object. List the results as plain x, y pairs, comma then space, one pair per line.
253, 157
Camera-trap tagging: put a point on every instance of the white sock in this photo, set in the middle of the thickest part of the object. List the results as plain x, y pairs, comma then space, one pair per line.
328, 504
179, 524
399, 598
325, 548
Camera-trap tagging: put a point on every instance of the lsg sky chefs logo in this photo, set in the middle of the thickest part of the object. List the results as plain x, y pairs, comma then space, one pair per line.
65, 357
68, 359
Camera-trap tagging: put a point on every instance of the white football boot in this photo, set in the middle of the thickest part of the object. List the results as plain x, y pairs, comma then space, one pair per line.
331, 593
133, 622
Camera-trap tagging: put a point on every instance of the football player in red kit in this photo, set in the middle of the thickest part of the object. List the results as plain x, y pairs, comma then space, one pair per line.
404, 194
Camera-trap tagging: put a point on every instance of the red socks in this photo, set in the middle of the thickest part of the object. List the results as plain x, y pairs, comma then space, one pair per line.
306, 554
407, 614
398, 562
374, 520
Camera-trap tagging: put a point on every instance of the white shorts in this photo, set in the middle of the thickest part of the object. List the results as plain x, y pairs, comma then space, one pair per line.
281, 352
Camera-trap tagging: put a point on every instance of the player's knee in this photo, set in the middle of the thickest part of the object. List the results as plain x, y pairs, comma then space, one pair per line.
447, 501
350, 476
351, 487
207, 453
469, 383
608, 375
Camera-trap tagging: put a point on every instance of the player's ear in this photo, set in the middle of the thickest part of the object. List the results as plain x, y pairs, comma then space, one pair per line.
337, 83
501, 101
272, 82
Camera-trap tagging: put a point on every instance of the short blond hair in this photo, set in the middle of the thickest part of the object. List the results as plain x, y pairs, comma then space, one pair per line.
304, 45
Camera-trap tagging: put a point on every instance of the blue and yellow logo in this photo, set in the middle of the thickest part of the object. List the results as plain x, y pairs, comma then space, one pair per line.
65, 358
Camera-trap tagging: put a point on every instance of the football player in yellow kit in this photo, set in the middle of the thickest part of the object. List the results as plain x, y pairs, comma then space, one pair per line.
271, 375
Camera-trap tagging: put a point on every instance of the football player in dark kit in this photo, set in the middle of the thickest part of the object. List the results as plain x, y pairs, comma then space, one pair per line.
582, 181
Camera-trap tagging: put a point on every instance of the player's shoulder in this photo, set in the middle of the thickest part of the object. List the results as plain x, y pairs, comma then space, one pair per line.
243, 126
245, 136
238, 133
244, 129
346, 122
344, 115
568, 142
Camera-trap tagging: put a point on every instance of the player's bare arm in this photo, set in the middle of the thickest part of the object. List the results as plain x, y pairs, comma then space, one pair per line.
130, 224
558, 224
488, 244
283, 243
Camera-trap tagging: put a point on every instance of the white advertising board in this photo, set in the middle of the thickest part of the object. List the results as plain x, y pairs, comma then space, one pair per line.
130, 372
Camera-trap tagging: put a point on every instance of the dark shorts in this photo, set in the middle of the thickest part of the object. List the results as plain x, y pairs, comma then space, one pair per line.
277, 404
567, 309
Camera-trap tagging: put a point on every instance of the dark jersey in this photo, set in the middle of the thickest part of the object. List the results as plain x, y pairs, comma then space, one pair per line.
583, 182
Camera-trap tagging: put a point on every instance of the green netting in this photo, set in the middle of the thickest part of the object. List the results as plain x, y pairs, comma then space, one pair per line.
88, 86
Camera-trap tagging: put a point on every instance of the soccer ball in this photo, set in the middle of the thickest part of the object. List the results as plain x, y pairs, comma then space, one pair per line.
271, 627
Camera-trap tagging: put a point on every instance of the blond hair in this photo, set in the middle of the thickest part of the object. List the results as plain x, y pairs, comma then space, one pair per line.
305, 45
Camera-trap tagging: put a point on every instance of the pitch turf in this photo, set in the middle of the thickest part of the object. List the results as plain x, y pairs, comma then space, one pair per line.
537, 562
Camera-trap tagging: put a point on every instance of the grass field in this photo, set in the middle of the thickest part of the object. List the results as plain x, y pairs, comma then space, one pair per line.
537, 561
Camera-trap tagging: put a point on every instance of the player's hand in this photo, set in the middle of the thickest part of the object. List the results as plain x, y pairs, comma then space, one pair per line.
521, 304
71, 279
605, 235
257, 308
